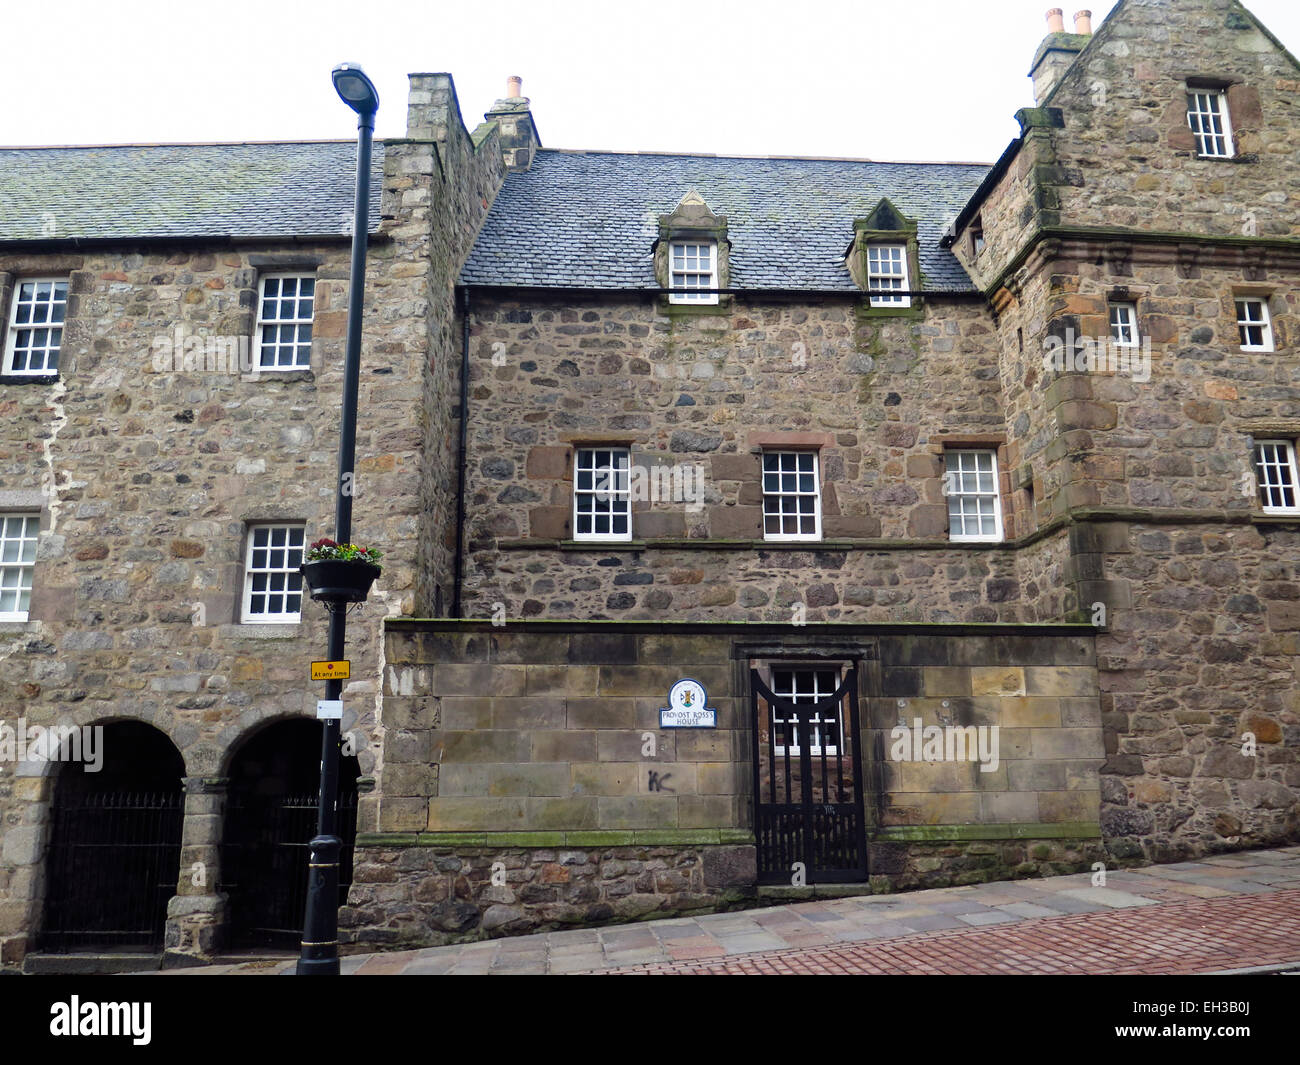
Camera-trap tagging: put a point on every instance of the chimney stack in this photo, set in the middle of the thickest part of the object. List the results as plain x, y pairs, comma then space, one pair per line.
515, 126
1058, 50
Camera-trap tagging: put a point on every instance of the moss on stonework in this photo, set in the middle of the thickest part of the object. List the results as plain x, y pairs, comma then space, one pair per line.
677, 837
949, 833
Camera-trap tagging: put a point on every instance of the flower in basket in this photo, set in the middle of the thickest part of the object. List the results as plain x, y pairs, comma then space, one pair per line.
327, 550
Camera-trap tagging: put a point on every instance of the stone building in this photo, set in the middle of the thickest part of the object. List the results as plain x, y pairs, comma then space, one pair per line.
966, 497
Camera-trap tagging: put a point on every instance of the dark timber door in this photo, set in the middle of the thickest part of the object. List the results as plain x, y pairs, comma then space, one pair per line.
808, 775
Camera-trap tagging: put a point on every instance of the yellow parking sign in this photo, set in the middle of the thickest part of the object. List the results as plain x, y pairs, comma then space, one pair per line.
341, 670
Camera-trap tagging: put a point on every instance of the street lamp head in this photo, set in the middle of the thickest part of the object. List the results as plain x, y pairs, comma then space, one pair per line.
355, 89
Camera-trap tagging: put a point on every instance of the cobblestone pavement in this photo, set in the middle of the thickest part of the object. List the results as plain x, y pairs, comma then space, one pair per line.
1226, 912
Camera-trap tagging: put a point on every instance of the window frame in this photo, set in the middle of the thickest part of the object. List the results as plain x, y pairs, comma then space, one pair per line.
836, 669
623, 494
878, 297
246, 616
261, 322
13, 327
999, 533
29, 533
1265, 324
1220, 96
815, 494
1130, 308
1261, 485
686, 294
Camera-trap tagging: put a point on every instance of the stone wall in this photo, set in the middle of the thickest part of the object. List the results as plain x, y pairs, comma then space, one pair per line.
881, 398
450, 179
147, 476
1125, 102
538, 746
423, 895
146, 480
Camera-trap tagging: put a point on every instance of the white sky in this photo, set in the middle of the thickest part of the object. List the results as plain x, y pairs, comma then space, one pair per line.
881, 79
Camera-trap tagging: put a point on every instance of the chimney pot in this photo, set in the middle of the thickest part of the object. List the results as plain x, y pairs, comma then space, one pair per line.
514, 87
1056, 20
1083, 22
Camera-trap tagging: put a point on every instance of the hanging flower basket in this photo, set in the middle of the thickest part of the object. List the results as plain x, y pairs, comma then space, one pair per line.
341, 573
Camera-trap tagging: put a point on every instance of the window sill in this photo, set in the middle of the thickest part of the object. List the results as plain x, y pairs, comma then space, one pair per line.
256, 630
599, 545
915, 311
688, 310
1292, 519
28, 379
19, 626
286, 376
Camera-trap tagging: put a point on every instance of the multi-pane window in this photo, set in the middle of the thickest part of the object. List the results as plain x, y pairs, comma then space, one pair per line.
692, 266
1253, 325
886, 273
1124, 324
36, 327
820, 729
284, 317
792, 506
1275, 473
272, 583
602, 499
1207, 114
17, 563
971, 485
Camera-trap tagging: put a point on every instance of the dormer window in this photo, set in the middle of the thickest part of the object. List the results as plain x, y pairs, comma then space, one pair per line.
1207, 114
691, 256
884, 262
693, 265
887, 273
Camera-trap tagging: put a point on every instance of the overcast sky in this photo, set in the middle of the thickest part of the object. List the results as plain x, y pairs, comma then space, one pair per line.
903, 79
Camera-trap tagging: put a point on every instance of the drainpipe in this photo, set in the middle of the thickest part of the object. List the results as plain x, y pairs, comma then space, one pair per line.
463, 455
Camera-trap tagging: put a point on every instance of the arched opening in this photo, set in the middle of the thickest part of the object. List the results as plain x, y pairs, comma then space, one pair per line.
115, 844
270, 820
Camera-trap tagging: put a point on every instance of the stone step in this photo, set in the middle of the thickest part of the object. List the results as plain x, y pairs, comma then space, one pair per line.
784, 892
105, 963
90, 964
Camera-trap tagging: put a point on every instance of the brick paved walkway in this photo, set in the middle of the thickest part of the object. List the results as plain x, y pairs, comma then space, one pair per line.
1188, 937
1225, 912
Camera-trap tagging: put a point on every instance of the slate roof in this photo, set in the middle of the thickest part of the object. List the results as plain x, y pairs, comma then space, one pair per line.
282, 189
588, 219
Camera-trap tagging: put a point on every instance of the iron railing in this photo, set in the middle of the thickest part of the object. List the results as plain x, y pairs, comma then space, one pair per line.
113, 866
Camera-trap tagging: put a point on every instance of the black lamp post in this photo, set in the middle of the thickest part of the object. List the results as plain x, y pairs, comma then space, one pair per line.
320, 941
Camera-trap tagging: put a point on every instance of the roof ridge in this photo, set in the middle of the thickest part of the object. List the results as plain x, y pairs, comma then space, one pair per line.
773, 158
